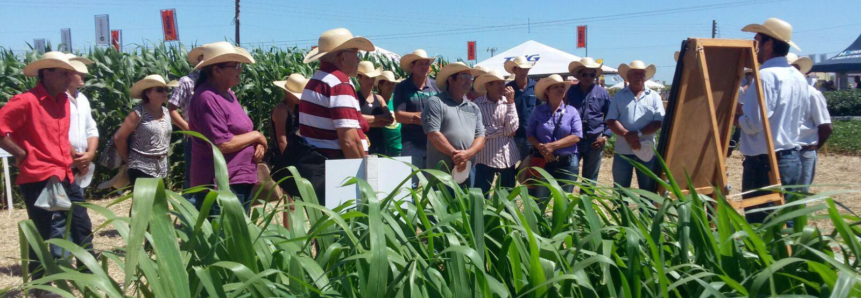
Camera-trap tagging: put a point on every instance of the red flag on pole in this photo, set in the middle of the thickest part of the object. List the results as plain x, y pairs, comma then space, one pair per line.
168, 25
117, 39
470, 50
581, 37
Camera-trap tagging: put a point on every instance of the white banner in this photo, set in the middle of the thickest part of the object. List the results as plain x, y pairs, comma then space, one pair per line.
103, 30
65, 40
39, 45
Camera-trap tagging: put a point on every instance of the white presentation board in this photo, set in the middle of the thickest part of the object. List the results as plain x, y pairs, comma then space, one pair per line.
383, 174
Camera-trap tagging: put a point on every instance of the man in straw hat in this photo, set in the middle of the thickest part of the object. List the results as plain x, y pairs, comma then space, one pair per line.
410, 99
178, 101
635, 115
524, 98
499, 117
34, 128
329, 114
453, 124
815, 124
592, 102
785, 91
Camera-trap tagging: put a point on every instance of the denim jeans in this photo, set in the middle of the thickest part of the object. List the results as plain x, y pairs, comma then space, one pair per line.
808, 169
186, 181
484, 177
591, 160
418, 156
242, 191
52, 224
565, 169
755, 175
523, 146
623, 171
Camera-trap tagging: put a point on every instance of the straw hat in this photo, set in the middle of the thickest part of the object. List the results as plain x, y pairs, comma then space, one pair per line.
294, 84
676, 56
194, 55
586, 62
221, 52
519, 61
804, 63
173, 84
407, 60
147, 82
636, 64
120, 180
386, 75
367, 68
482, 80
478, 71
447, 71
774, 27
80, 63
337, 40
543, 84
49, 60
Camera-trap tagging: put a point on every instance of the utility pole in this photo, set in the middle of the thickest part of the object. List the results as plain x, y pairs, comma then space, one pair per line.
236, 22
492, 51
714, 27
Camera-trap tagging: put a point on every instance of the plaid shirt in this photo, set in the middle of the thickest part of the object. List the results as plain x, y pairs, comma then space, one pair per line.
182, 94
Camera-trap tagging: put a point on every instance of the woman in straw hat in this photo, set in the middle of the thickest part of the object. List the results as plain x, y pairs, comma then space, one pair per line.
143, 139
216, 113
284, 130
499, 117
385, 83
374, 108
554, 130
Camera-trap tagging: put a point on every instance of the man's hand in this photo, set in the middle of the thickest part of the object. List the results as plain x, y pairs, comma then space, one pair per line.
82, 160
460, 156
416, 119
599, 143
385, 118
460, 167
259, 151
19, 158
509, 94
738, 110
633, 139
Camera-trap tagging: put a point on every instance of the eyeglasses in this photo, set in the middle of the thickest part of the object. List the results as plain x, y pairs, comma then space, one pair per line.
588, 74
160, 89
467, 76
354, 52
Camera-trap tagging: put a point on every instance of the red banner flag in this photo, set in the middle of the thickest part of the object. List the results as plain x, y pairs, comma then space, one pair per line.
581, 37
168, 25
117, 39
470, 50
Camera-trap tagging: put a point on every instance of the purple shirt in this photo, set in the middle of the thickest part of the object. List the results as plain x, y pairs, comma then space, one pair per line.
542, 124
219, 119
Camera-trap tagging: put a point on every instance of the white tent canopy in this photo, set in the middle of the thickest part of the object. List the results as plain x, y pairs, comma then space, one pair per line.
649, 84
383, 53
547, 60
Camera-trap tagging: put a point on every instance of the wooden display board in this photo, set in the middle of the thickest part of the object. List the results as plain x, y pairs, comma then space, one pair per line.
699, 118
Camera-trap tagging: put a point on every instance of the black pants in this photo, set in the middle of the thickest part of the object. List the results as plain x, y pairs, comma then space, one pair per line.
134, 174
80, 229
243, 192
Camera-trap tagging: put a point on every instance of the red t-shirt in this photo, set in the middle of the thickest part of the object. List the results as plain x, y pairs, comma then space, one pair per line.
39, 124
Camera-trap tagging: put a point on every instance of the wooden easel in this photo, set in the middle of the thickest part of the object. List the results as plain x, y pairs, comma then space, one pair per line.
699, 118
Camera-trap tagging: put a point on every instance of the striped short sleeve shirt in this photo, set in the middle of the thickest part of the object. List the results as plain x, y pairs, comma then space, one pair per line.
329, 102
500, 123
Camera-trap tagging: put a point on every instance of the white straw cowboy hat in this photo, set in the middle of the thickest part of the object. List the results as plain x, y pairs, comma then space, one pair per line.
49, 60
337, 40
173, 84
519, 61
386, 75
774, 27
543, 84
447, 71
294, 84
193, 56
367, 69
221, 52
585, 63
79, 63
482, 80
804, 63
637, 64
147, 82
478, 71
407, 60
120, 180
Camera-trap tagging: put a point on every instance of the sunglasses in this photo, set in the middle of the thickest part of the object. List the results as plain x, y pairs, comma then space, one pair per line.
589, 74
465, 76
160, 89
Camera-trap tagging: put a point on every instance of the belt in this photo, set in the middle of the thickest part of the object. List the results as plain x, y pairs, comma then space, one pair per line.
786, 152
809, 148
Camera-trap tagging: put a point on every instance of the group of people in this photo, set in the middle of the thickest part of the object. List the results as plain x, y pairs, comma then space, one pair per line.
469, 121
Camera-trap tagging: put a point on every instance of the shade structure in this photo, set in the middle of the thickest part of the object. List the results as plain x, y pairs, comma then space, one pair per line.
849, 60
548, 60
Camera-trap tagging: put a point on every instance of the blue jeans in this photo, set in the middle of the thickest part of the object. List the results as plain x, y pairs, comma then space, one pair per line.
186, 181
242, 191
755, 175
523, 146
808, 169
591, 160
417, 154
565, 169
484, 177
623, 171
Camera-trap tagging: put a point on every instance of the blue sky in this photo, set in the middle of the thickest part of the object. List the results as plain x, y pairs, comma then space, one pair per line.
619, 31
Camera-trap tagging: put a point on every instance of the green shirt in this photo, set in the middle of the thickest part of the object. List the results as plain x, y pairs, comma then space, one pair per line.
392, 134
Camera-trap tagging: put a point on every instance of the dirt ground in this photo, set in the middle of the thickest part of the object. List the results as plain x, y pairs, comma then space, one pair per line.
833, 172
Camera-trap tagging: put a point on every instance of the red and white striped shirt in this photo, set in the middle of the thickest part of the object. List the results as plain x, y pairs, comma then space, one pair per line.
329, 102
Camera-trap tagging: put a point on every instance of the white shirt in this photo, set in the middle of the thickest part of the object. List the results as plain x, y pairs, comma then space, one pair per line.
635, 114
815, 114
81, 125
785, 91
